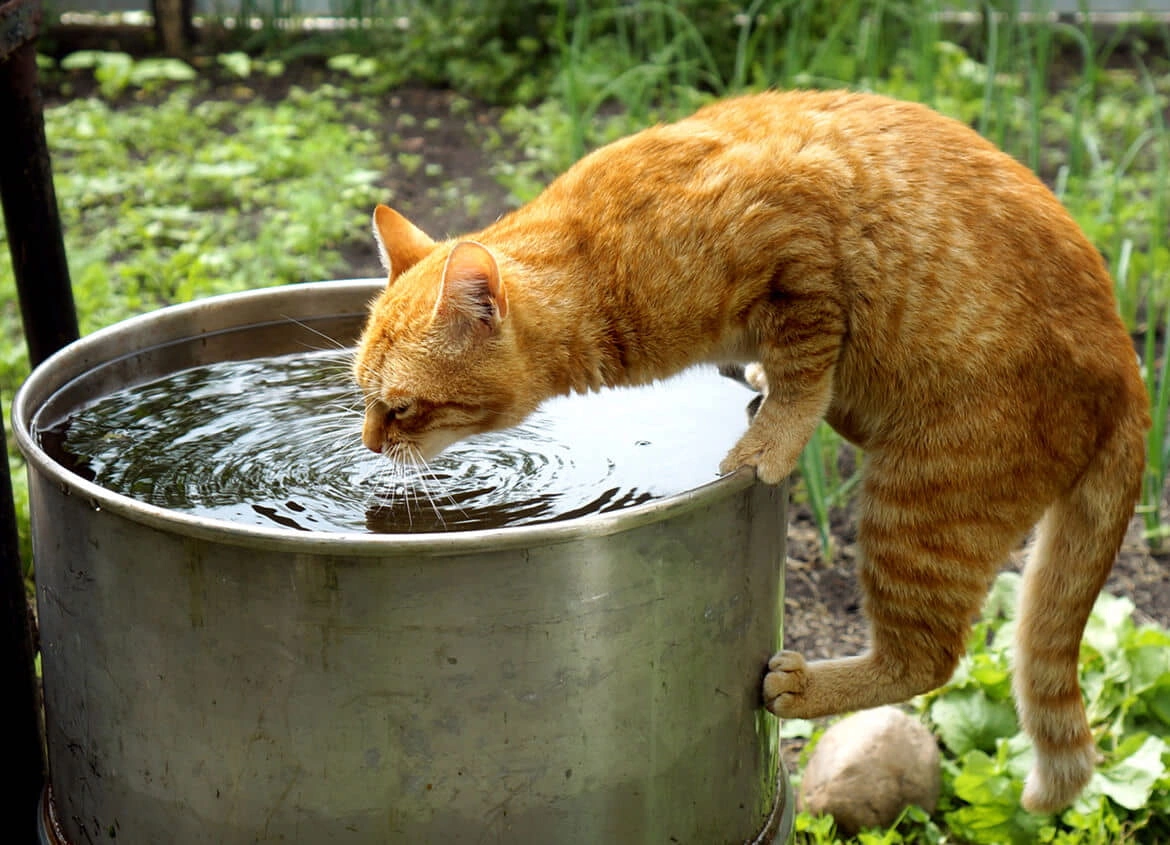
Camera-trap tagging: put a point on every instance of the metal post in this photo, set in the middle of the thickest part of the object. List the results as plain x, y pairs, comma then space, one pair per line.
26, 186
22, 728
50, 322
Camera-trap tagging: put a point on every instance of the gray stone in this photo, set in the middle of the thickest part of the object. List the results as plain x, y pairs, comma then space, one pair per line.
869, 767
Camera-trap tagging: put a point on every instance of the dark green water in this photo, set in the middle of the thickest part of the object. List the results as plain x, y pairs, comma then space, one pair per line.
276, 441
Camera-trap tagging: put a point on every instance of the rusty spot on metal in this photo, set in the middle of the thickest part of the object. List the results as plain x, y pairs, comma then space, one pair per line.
50, 826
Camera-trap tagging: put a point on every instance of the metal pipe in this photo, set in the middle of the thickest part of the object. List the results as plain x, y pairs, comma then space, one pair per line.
26, 187
23, 753
50, 322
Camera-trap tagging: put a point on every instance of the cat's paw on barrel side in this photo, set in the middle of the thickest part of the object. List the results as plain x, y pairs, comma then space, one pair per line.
785, 683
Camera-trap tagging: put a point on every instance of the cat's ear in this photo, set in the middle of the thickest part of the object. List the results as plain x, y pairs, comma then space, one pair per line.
472, 298
401, 244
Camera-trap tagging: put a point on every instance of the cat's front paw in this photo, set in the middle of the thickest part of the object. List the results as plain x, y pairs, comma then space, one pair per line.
731, 463
785, 684
770, 465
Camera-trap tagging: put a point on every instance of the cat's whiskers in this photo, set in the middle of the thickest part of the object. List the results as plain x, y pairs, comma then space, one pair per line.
427, 477
347, 410
397, 457
372, 488
334, 343
337, 438
411, 479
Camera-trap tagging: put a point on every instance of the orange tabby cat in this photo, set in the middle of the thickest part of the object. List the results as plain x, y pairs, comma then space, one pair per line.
892, 273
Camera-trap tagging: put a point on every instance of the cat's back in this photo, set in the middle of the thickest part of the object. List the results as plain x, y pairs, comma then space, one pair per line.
918, 202
847, 157
875, 148
840, 117
944, 250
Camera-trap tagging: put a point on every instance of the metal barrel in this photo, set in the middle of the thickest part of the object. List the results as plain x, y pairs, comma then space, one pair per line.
590, 681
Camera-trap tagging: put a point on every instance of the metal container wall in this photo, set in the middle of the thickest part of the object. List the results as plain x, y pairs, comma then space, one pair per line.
591, 681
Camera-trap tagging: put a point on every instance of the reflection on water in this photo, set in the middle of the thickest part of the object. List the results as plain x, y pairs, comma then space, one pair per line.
275, 441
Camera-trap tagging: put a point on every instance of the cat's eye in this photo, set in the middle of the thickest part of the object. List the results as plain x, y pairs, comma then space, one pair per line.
399, 410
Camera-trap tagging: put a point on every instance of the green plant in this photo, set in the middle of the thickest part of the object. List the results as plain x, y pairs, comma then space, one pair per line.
1157, 378
1126, 681
115, 71
188, 197
821, 484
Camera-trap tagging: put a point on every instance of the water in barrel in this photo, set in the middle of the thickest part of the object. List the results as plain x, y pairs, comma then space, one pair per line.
276, 442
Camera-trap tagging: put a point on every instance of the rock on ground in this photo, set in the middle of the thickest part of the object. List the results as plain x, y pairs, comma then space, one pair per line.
869, 767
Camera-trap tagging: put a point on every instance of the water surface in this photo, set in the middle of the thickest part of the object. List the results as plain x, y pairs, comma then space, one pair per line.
276, 441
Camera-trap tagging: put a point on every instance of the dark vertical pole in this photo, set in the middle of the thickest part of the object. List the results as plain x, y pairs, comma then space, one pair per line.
22, 724
50, 322
174, 25
30, 204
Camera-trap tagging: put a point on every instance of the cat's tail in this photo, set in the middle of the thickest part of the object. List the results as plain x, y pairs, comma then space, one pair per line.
1075, 546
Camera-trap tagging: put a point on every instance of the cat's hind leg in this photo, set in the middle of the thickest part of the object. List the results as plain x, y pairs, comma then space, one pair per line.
930, 549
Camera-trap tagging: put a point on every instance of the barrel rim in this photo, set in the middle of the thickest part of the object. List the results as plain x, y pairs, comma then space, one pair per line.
209, 316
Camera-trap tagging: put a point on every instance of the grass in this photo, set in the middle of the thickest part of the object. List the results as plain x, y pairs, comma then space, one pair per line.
169, 193
985, 755
183, 197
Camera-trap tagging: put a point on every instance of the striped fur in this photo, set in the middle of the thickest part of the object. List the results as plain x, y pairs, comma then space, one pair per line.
892, 273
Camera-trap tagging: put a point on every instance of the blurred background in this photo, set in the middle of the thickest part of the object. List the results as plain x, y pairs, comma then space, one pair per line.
208, 146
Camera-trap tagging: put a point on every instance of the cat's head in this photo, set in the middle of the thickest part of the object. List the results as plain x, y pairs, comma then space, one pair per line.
437, 359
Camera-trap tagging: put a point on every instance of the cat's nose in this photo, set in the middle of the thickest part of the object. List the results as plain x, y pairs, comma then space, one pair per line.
372, 433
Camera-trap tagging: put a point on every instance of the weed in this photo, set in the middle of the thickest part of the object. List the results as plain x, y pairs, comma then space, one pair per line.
985, 756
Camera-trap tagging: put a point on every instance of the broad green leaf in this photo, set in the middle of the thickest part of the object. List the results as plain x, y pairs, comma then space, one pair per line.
797, 729
993, 814
1148, 653
981, 781
238, 64
227, 170
89, 59
992, 675
1108, 623
353, 64
1131, 780
113, 72
1003, 598
968, 719
170, 70
1015, 755
1158, 703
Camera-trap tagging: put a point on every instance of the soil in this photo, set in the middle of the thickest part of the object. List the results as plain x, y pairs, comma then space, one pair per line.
453, 140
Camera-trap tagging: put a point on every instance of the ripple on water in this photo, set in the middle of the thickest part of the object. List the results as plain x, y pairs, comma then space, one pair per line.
277, 441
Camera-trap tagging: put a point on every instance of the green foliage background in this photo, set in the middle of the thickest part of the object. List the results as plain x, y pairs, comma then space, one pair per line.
172, 187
